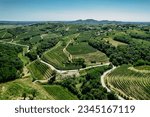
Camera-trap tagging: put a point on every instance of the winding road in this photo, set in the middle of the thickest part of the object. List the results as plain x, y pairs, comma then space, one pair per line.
70, 72
103, 81
76, 71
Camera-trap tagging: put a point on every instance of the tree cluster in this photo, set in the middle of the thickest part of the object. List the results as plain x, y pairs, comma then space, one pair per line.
45, 45
128, 54
91, 88
10, 64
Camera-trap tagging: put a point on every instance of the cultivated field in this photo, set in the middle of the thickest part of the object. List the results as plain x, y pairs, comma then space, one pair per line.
59, 92
39, 71
93, 58
80, 48
129, 84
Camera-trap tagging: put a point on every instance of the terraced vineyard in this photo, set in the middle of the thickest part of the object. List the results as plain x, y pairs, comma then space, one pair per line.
59, 92
80, 48
88, 53
56, 57
130, 84
39, 71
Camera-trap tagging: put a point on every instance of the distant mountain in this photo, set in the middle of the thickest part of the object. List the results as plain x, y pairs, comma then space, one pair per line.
96, 22
87, 21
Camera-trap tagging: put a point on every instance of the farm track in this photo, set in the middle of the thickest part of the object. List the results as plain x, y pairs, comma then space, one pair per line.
67, 53
65, 49
28, 50
75, 70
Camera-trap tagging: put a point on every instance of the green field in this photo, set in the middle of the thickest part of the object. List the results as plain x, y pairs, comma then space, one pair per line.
114, 42
39, 71
59, 92
130, 84
23, 58
88, 71
50, 36
35, 39
95, 57
80, 48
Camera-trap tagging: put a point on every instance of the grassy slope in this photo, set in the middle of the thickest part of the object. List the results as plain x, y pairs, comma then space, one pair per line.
24, 59
114, 42
59, 93
13, 90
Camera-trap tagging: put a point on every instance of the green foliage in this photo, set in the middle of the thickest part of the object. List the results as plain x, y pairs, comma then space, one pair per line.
122, 37
141, 62
85, 36
47, 44
90, 87
4, 34
79, 62
128, 54
139, 35
32, 55
10, 64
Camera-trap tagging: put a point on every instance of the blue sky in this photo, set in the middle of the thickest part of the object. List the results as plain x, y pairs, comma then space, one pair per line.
50, 10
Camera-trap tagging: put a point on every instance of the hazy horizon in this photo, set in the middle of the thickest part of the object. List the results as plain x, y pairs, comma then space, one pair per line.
71, 10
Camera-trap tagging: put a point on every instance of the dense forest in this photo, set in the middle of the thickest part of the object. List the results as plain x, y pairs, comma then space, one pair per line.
10, 64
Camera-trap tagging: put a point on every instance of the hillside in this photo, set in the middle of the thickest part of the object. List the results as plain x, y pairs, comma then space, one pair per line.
67, 60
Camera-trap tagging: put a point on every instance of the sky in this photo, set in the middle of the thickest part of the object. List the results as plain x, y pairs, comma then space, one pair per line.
66, 10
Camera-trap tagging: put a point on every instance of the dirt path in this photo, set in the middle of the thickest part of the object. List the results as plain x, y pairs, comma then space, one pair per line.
65, 73
103, 81
66, 52
67, 29
28, 50
65, 49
